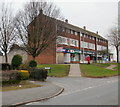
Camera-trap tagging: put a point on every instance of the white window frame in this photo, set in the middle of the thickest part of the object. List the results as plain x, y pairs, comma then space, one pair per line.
63, 40
72, 42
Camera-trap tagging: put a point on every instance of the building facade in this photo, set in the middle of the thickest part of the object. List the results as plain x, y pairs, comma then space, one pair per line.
73, 45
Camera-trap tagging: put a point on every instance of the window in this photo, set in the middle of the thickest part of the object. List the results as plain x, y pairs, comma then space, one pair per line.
80, 34
74, 57
68, 30
72, 32
99, 47
85, 44
74, 42
91, 46
76, 33
83, 34
60, 28
82, 44
62, 40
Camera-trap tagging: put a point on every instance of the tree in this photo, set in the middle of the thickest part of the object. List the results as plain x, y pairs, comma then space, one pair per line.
114, 38
6, 29
36, 26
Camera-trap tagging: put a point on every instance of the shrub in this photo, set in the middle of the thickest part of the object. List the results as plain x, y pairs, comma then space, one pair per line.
10, 77
38, 74
16, 61
32, 63
24, 66
5, 66
24, 74
10, 82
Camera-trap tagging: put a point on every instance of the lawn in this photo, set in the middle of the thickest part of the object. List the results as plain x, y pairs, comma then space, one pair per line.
102, 64
21, 85
96, 71
57, 70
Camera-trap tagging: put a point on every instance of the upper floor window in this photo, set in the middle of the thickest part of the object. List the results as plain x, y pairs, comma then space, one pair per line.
91, 46
74, 42
60, 28
80, 34
62, 40
93, 38
72, 32
82, 44
85, 44
68, 31
76, 33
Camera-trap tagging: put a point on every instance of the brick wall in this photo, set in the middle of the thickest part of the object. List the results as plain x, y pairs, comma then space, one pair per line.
48, 56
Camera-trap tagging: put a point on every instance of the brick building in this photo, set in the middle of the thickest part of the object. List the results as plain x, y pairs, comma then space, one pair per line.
73, 44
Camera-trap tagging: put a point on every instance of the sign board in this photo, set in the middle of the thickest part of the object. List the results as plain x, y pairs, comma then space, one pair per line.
47, 68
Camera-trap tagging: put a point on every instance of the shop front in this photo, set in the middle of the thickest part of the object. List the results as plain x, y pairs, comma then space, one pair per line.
84, 54
67, 55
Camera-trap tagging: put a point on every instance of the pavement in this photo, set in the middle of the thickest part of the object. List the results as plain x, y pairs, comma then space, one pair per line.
74, 70
111, 67
48, 90
23, 96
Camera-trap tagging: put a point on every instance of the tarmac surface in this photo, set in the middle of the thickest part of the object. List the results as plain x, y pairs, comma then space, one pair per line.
23, 96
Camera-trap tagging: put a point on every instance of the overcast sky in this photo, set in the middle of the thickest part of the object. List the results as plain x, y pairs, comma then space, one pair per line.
96, 15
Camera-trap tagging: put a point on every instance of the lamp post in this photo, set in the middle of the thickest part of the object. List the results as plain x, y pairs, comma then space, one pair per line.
83, 49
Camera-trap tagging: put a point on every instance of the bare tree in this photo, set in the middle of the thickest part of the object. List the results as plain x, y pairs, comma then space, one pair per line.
114, 38
36, 26
6, 29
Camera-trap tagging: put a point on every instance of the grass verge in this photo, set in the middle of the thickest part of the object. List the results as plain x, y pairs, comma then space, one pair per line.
57, 70
96, 71
21, 85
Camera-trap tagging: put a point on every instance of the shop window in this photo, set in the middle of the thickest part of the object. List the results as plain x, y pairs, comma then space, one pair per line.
74, 57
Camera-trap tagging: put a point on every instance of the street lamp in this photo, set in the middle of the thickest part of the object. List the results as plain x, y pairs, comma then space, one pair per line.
83, 49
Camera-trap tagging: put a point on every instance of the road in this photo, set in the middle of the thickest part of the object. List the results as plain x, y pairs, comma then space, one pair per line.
84, 91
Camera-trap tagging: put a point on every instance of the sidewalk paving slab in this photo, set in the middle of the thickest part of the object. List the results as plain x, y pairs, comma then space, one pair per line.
111, 67
74, 70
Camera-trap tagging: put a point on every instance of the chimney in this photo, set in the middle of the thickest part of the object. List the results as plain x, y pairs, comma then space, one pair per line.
97, 32
41, 11
84, 27
66, 20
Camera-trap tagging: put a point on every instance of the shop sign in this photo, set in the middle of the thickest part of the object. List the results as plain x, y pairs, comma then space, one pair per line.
74, 51
66, 50
88, 52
